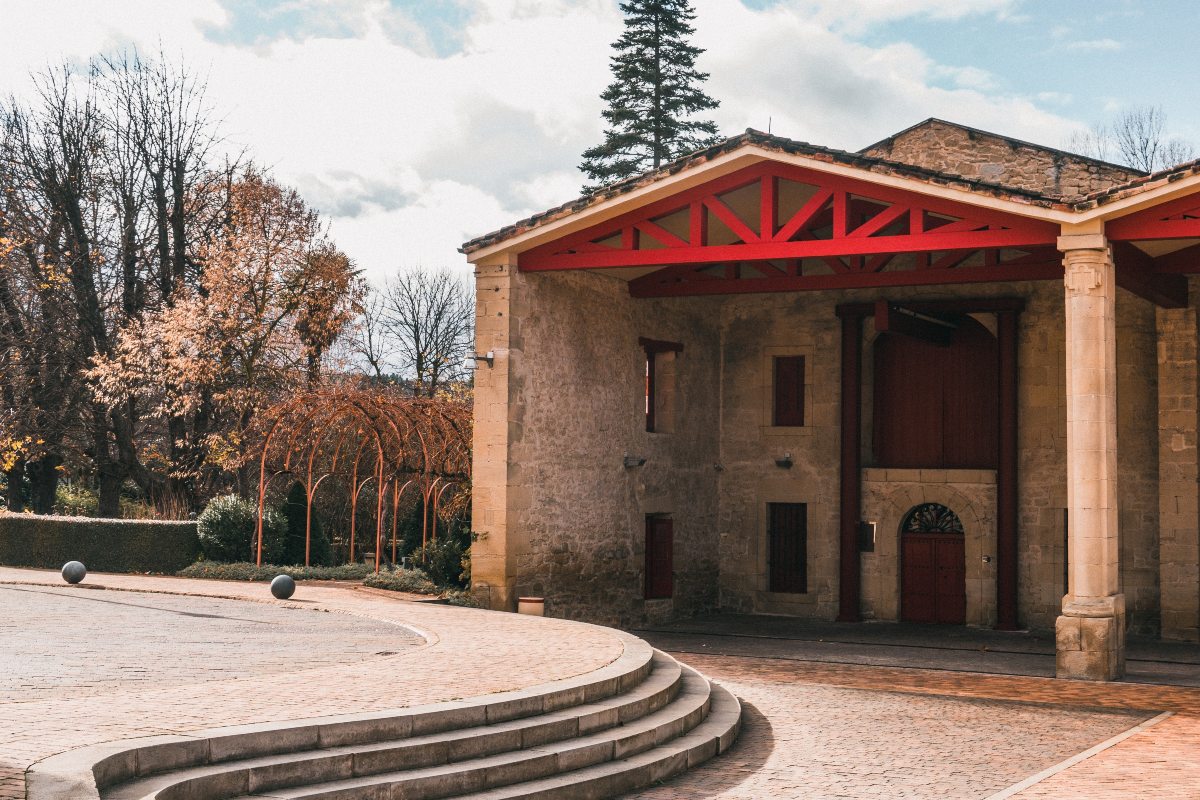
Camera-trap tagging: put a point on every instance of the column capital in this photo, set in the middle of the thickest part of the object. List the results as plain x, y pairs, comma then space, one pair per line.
1087, 270
1082, 241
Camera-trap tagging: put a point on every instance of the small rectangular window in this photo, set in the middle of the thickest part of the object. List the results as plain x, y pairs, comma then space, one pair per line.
660, 366
789, 391
660, 558
787, 535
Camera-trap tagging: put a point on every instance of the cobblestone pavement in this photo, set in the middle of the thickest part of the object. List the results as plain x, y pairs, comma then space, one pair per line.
465, 652
67, 641
816, 729
813, 729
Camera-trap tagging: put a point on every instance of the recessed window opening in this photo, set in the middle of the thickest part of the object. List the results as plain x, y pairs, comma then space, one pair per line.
788, 381
660, 384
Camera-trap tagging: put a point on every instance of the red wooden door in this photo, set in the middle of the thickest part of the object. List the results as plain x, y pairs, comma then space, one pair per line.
660, 557
933, 578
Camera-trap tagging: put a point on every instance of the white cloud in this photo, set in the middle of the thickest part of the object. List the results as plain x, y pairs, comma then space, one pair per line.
823, 87
857, 15
415, 135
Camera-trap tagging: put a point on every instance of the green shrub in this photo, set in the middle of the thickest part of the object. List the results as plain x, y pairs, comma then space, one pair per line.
295, 512
103, 545
228, 528
457, 598
246, 571
401, 580
75, 500
446, 562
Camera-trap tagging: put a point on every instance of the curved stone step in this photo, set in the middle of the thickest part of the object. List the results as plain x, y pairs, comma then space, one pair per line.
310, 766
677, 719
708, 739
80, 774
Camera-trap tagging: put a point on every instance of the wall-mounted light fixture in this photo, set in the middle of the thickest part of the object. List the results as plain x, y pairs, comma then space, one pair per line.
472, 362
632, 461
785, 462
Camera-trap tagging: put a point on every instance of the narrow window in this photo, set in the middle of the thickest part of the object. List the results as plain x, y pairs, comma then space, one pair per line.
787, 534
660, 560
789, 391
660, 384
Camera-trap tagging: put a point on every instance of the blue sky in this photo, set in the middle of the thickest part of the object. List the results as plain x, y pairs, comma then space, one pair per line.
415, 125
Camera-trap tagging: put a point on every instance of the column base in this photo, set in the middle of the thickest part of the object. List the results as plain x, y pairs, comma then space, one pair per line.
1090, 639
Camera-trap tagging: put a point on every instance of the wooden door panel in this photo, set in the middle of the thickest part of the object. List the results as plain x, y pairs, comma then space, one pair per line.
932, 581
918, 603
951, 581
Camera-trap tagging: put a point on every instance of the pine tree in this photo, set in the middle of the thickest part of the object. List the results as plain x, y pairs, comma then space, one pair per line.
655, 90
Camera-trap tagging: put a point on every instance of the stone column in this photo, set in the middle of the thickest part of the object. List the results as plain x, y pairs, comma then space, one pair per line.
492, 564
1090, 634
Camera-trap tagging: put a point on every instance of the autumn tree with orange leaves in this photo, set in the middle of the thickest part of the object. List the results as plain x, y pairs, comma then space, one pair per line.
273, 294
154, 291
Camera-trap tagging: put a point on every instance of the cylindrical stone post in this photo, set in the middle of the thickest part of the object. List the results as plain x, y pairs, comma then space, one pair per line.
1090, 634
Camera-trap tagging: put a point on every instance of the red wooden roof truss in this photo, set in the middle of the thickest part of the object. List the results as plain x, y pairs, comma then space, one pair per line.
1160, 278
775, 227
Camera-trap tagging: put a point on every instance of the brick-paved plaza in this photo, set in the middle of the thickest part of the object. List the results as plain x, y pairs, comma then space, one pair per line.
812, 729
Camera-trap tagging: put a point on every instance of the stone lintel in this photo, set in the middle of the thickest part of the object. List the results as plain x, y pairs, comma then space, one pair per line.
1082, 241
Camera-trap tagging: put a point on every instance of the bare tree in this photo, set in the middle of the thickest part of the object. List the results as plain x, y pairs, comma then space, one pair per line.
1137, 138
421, 325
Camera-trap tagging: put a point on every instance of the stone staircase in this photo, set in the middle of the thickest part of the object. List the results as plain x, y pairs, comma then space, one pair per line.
641, 719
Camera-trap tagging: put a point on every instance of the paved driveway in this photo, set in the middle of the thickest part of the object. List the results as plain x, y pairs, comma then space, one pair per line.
881, 712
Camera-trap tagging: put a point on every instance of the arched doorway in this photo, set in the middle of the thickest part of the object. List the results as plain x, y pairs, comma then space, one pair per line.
932, 566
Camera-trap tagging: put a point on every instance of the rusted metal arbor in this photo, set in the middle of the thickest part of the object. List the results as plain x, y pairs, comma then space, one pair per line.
360, 437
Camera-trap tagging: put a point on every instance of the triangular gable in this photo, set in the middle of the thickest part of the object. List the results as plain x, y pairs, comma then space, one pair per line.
774, 220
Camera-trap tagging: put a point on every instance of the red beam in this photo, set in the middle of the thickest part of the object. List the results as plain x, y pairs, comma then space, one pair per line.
802, 217
850, 500
879, 221
768, 207
1003, 226
733, 221
754, 251
1007, 550
664, 236
666, 284
1135, 273
1155, 222
1181, 262
697, 225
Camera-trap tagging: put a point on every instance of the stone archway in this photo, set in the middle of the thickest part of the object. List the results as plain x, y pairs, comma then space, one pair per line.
971, 495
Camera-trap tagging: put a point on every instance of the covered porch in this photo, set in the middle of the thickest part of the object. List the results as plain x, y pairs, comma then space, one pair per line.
795, 381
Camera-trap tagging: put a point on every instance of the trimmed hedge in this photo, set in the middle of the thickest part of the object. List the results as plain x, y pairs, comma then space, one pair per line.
103, 545
246, 571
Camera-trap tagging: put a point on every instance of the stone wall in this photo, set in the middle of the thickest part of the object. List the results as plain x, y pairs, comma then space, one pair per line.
754, 328
1137, 461
560, 516
978, 155
574, 515
1179, 532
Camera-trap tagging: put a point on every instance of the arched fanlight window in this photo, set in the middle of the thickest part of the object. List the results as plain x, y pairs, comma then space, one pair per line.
931, 518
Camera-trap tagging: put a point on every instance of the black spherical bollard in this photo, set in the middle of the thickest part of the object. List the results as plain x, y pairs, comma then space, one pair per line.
74, 572
283, 587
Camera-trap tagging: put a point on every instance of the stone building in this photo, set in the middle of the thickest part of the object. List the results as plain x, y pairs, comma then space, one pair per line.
949, 378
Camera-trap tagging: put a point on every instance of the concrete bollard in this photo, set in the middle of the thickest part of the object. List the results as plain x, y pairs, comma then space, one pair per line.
534, 606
